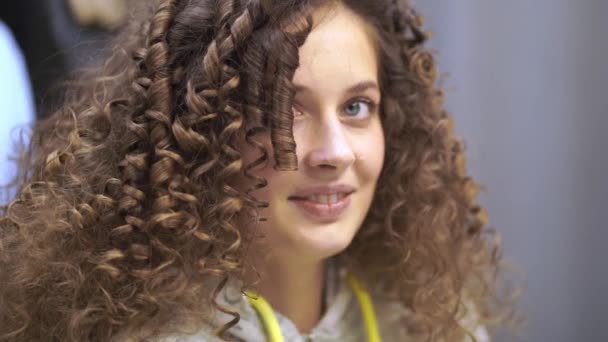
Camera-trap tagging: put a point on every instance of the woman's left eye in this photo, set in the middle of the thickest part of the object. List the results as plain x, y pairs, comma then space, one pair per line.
359, 107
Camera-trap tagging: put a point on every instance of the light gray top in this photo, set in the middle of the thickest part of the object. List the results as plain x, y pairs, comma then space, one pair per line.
342, 321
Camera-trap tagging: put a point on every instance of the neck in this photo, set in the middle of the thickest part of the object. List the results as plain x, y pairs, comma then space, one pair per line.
294, 288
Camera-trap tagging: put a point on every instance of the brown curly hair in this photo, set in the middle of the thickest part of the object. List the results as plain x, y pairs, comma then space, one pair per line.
126, 212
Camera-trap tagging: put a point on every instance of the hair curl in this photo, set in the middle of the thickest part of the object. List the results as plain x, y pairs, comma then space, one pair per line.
126, 213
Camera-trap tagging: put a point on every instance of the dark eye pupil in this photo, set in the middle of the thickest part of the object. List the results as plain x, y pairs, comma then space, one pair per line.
353, 107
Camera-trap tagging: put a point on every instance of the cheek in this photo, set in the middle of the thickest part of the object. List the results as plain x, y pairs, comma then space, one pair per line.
371, 153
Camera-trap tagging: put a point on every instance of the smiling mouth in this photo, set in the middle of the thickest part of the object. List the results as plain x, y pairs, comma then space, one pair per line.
326, 199
323, 208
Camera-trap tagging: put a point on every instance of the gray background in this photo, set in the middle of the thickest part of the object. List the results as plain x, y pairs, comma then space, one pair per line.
527, 84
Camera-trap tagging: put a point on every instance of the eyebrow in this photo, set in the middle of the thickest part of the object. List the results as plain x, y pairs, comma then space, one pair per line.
357, 88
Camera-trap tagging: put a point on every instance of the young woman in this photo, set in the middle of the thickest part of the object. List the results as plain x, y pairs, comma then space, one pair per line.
250, 170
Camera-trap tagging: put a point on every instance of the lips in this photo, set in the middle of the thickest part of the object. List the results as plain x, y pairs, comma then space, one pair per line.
324, 198
323, 203
324, 190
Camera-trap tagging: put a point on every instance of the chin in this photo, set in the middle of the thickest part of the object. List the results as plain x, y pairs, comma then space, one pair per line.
321, 243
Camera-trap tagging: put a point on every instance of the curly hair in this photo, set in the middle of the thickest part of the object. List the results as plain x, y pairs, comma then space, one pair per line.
126, 212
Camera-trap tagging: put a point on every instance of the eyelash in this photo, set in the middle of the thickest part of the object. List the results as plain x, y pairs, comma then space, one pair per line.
372, 106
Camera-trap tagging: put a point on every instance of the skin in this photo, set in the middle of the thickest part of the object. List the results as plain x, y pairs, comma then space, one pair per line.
106, 13
339, 139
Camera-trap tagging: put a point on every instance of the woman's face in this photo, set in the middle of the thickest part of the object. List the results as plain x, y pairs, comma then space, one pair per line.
340, 144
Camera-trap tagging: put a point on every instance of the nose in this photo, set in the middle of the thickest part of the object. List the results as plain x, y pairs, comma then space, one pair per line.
331, 149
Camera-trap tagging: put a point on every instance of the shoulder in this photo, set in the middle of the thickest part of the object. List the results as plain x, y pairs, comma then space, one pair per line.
203, 333
471, 322
393, 318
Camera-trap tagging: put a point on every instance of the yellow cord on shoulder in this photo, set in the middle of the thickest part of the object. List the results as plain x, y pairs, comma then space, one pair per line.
273, 329
269, 319
367, 308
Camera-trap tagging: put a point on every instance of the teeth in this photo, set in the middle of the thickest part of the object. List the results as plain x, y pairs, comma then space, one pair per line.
326, 199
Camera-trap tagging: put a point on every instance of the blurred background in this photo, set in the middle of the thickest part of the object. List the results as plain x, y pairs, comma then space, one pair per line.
528, 84
526, 81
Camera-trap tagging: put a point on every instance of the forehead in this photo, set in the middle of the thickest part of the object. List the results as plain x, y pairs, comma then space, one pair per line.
340, 50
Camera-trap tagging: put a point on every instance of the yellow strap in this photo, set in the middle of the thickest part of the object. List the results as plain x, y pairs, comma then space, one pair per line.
367, 308
271, 325
273, 330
